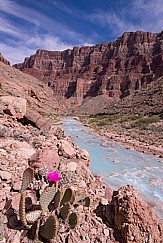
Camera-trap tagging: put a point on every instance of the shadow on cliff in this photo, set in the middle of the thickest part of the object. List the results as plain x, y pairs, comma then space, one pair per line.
71, 89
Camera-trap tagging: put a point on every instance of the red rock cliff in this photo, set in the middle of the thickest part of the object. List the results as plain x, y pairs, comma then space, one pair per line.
115, 69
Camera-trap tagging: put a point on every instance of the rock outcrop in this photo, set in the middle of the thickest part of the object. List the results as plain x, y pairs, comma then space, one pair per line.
115, 69
130, 217
25, 96
2, 59
133, 219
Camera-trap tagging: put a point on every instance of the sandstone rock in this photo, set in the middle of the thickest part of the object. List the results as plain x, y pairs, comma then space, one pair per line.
85, 155
133, 219
106, 232
35, 119
46, 157
66, 149
2, 59
18, 103
15, 201
2, 205
17, 237
71, 166
104, 201
10, 110
17, 185
5, 175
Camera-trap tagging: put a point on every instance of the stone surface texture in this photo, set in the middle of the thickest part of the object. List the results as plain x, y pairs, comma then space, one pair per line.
123, 216
2, 59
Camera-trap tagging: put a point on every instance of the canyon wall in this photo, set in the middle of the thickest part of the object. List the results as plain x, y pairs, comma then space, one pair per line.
115, 69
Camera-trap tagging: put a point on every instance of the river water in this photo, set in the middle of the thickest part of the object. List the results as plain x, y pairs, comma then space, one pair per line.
120, 166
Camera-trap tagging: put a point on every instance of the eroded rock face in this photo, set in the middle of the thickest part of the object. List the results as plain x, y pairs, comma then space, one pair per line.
116, 69
134, 221
2, 59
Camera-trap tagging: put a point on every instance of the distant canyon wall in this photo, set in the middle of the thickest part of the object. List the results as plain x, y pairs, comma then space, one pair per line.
115, 69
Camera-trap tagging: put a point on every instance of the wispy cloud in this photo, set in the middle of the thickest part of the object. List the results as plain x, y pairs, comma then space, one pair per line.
8, 28
16, 51
10, 7
29, 40
114, 22
150, 14
144, 15
39, 19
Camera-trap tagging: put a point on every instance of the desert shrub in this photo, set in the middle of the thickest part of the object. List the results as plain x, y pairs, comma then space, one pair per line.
146, 121
103, 123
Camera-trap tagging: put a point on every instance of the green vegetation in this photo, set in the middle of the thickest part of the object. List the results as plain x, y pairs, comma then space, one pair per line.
103, 123
104, 119
146, 121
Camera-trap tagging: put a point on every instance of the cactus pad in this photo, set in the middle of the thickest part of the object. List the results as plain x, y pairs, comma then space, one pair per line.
57, 199
49, 229
67, 197
22, 212
73, 220
27, 178
46, 197
65, 211
32, 216
86, 202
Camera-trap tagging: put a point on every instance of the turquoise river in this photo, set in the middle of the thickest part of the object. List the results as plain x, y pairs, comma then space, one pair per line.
120, 166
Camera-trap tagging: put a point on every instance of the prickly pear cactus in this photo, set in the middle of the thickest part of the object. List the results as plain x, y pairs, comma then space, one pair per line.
57, 199
73, 220
67, 197
86, 202
27, 178
58, 206
46, 197
65, 211
49, 229
22, 212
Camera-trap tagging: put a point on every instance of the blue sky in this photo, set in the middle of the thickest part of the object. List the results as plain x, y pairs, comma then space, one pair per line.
28, 25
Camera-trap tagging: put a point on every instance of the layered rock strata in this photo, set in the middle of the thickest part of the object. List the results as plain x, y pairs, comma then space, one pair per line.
115, 69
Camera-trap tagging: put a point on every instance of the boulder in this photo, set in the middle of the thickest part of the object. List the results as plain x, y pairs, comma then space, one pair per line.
134, 220
46, 157
85, 155
66, 149
10, 110
5, 175
19, 104
35, 119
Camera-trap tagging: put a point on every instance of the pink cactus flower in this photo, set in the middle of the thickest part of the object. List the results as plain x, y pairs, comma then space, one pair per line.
53, 176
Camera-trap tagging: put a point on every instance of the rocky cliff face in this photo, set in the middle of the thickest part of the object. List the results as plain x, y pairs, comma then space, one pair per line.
115, 69
2, 59
26, 94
